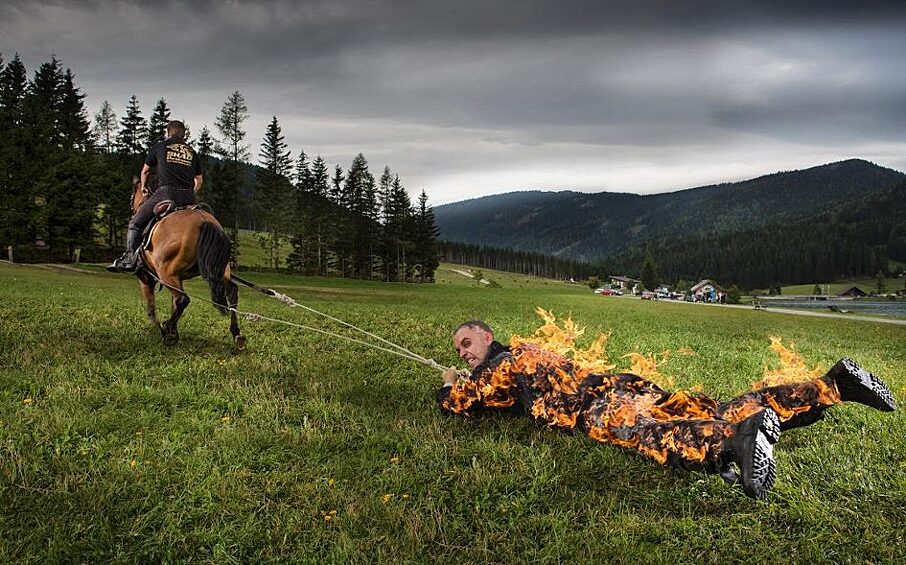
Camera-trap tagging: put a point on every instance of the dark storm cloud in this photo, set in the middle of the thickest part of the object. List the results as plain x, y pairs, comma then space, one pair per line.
632, 93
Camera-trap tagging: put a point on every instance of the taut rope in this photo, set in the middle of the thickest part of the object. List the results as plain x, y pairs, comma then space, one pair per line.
252, 316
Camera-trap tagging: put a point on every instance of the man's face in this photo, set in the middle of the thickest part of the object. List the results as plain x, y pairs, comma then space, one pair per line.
472, 345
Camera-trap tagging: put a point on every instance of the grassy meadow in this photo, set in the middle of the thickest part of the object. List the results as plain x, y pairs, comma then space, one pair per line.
115, 448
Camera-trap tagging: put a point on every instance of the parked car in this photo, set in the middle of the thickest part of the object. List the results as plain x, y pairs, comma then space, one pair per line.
648, 295
608, 291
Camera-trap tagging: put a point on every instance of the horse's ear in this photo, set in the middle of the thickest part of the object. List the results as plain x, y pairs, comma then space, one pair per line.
134, 179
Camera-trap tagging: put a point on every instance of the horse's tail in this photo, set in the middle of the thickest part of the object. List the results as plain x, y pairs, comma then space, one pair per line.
213, 257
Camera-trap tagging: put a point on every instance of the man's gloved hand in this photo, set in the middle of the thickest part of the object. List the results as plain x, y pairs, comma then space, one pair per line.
449, 376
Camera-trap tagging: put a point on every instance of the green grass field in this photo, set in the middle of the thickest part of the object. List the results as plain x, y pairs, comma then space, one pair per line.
303, 449
251, 254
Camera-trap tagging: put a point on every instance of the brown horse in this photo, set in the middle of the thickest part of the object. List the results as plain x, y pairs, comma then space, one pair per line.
185, 244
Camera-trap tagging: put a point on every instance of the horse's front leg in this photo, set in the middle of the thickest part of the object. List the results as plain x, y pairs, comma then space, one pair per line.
232, 294
147, 288
180, 302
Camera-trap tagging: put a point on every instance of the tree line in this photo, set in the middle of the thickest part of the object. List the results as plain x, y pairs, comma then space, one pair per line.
65, 184
516, 261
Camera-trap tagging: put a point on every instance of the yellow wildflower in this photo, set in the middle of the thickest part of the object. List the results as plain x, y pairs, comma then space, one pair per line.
328, 515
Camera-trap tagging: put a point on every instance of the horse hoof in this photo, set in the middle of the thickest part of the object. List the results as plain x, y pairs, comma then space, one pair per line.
171, 339
240, 342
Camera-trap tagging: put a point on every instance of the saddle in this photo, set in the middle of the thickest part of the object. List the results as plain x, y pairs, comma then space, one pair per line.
163, 209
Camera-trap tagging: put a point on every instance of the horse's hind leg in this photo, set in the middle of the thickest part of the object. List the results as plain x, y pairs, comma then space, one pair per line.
150, 306
232, 294
180, 302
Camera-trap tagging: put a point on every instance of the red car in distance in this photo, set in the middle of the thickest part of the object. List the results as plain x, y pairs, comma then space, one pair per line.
609, 291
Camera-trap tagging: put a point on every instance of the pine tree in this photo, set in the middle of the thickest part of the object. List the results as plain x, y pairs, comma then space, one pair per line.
133, 130
359, 197
398, 230
205, 145
157, 123
303, 173
319, 178
425, 240
64, 187
385, 185
274, 192
335, 222
43, 104
233, 114
13, 88
308, 234
16, 200
104, 129
880, 283
649, 274
75, 127
205, 148
336, 185
70, 191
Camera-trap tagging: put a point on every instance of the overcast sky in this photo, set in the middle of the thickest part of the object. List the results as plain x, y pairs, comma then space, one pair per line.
466, 98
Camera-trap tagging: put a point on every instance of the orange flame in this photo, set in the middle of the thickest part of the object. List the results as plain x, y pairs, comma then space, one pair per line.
646, 366
552, 337
792, 368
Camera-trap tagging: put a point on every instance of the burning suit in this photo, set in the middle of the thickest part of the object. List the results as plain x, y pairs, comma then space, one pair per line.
676, 428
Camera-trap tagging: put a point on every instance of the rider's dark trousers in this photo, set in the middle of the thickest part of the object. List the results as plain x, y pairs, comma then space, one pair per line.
181, 196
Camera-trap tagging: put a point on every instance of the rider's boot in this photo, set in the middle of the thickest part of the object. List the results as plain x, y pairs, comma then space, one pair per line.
128, 261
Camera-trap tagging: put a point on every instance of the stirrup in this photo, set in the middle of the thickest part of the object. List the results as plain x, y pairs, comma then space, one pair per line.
123, 265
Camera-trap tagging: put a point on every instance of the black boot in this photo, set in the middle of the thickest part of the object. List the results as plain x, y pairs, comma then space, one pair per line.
858, 385
128, 261
752, 449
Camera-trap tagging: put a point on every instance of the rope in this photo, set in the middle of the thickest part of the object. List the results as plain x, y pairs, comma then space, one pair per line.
252, 316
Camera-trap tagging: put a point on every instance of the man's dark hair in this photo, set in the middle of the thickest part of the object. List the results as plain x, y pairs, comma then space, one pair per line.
176, 129
480, 324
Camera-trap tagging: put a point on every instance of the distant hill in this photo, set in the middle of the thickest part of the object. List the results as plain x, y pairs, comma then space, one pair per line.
603, 225
856, 238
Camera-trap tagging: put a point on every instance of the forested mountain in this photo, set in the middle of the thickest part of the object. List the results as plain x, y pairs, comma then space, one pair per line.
598, 226
854, 239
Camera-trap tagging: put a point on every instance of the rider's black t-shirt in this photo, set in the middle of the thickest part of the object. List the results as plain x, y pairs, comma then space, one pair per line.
177, 164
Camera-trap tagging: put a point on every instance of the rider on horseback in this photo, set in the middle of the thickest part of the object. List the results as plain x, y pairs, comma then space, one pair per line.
180, 177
